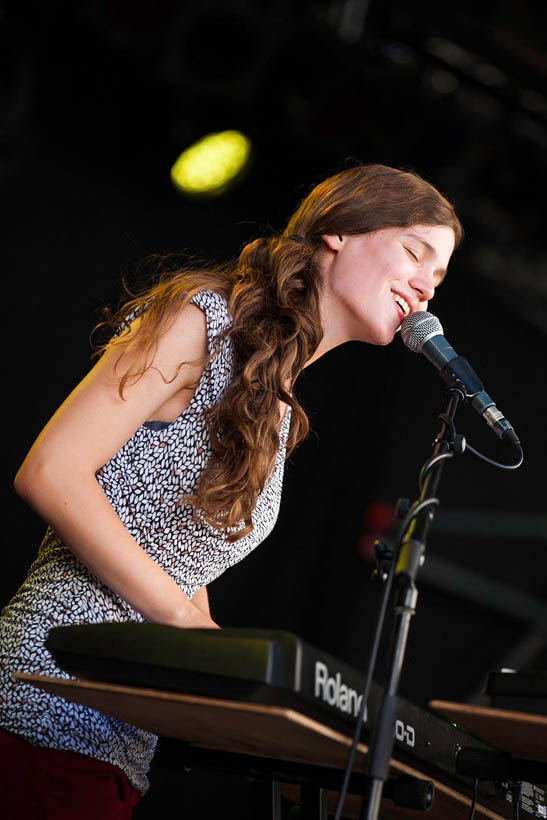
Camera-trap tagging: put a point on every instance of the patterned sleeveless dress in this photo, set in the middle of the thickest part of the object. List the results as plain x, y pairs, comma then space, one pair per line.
143, 482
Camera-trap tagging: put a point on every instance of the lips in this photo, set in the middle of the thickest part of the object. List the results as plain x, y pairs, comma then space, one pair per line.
404, 307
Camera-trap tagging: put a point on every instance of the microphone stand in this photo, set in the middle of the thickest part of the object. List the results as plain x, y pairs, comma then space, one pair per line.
409, 558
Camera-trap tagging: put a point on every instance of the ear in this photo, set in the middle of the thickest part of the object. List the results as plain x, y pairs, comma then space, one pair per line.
333, 241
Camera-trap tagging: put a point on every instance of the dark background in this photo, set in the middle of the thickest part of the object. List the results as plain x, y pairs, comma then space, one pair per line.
99, 99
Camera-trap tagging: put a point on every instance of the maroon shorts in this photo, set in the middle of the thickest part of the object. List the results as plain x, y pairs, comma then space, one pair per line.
47, 784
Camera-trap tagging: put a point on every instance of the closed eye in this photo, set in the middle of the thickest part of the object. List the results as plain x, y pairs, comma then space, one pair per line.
412, 254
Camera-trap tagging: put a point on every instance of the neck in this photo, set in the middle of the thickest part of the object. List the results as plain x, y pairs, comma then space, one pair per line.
335, 333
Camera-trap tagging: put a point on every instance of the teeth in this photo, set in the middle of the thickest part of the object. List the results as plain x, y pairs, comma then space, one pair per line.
405, 307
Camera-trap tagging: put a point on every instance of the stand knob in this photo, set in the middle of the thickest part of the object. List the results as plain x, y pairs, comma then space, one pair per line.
410, 792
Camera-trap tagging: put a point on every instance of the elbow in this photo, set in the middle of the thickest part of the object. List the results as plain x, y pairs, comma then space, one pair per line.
22, 484
35, 482
29, 484
45, 484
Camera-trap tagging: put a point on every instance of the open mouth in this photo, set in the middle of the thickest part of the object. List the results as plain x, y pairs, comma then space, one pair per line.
403, 304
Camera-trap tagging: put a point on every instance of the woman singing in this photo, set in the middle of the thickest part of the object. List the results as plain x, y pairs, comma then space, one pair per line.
164, 467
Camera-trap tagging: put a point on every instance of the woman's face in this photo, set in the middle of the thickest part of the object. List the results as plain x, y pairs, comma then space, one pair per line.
372, 281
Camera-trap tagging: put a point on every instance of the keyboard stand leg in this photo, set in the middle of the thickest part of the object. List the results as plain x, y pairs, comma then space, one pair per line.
266, 796
276, 800
313, 803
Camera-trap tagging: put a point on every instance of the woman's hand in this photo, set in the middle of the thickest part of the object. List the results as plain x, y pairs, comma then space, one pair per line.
200, 614
194, 618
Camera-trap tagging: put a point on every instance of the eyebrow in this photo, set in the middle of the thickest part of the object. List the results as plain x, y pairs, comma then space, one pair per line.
441, 272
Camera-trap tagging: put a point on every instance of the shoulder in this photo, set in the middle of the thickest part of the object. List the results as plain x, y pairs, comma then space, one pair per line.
189, 328
175, 346
181, 349
174, 338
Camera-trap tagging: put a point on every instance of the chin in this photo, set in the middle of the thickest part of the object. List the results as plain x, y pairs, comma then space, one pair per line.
382, 339
381, 334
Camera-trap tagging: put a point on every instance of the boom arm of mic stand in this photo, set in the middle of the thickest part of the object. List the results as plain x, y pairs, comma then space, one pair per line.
409, 560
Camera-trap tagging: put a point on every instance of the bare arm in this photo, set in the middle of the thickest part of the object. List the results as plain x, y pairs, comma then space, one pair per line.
58, 479
201, 600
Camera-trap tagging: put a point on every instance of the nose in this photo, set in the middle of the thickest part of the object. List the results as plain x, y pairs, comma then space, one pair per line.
423, 283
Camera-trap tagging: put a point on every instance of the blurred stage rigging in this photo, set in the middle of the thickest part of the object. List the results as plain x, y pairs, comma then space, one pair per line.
461, 87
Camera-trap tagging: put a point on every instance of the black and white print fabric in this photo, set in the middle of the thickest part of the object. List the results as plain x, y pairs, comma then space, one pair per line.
144, 482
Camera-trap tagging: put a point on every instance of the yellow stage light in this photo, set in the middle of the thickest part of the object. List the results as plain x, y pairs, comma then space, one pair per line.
212, 163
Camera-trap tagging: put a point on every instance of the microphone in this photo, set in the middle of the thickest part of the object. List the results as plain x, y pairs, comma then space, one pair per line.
423, 333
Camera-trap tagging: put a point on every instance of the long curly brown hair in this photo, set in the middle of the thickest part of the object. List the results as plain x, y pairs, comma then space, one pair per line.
273, 292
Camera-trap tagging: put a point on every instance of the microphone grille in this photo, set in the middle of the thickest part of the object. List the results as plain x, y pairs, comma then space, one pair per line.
417, 328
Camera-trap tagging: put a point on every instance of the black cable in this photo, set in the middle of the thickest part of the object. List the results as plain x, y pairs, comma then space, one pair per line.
474, 801
368, 680
497, 463
449, 421
416, 509
429, 464
515, 789
463, 445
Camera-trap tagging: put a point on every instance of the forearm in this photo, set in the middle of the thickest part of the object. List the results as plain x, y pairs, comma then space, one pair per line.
79, 512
